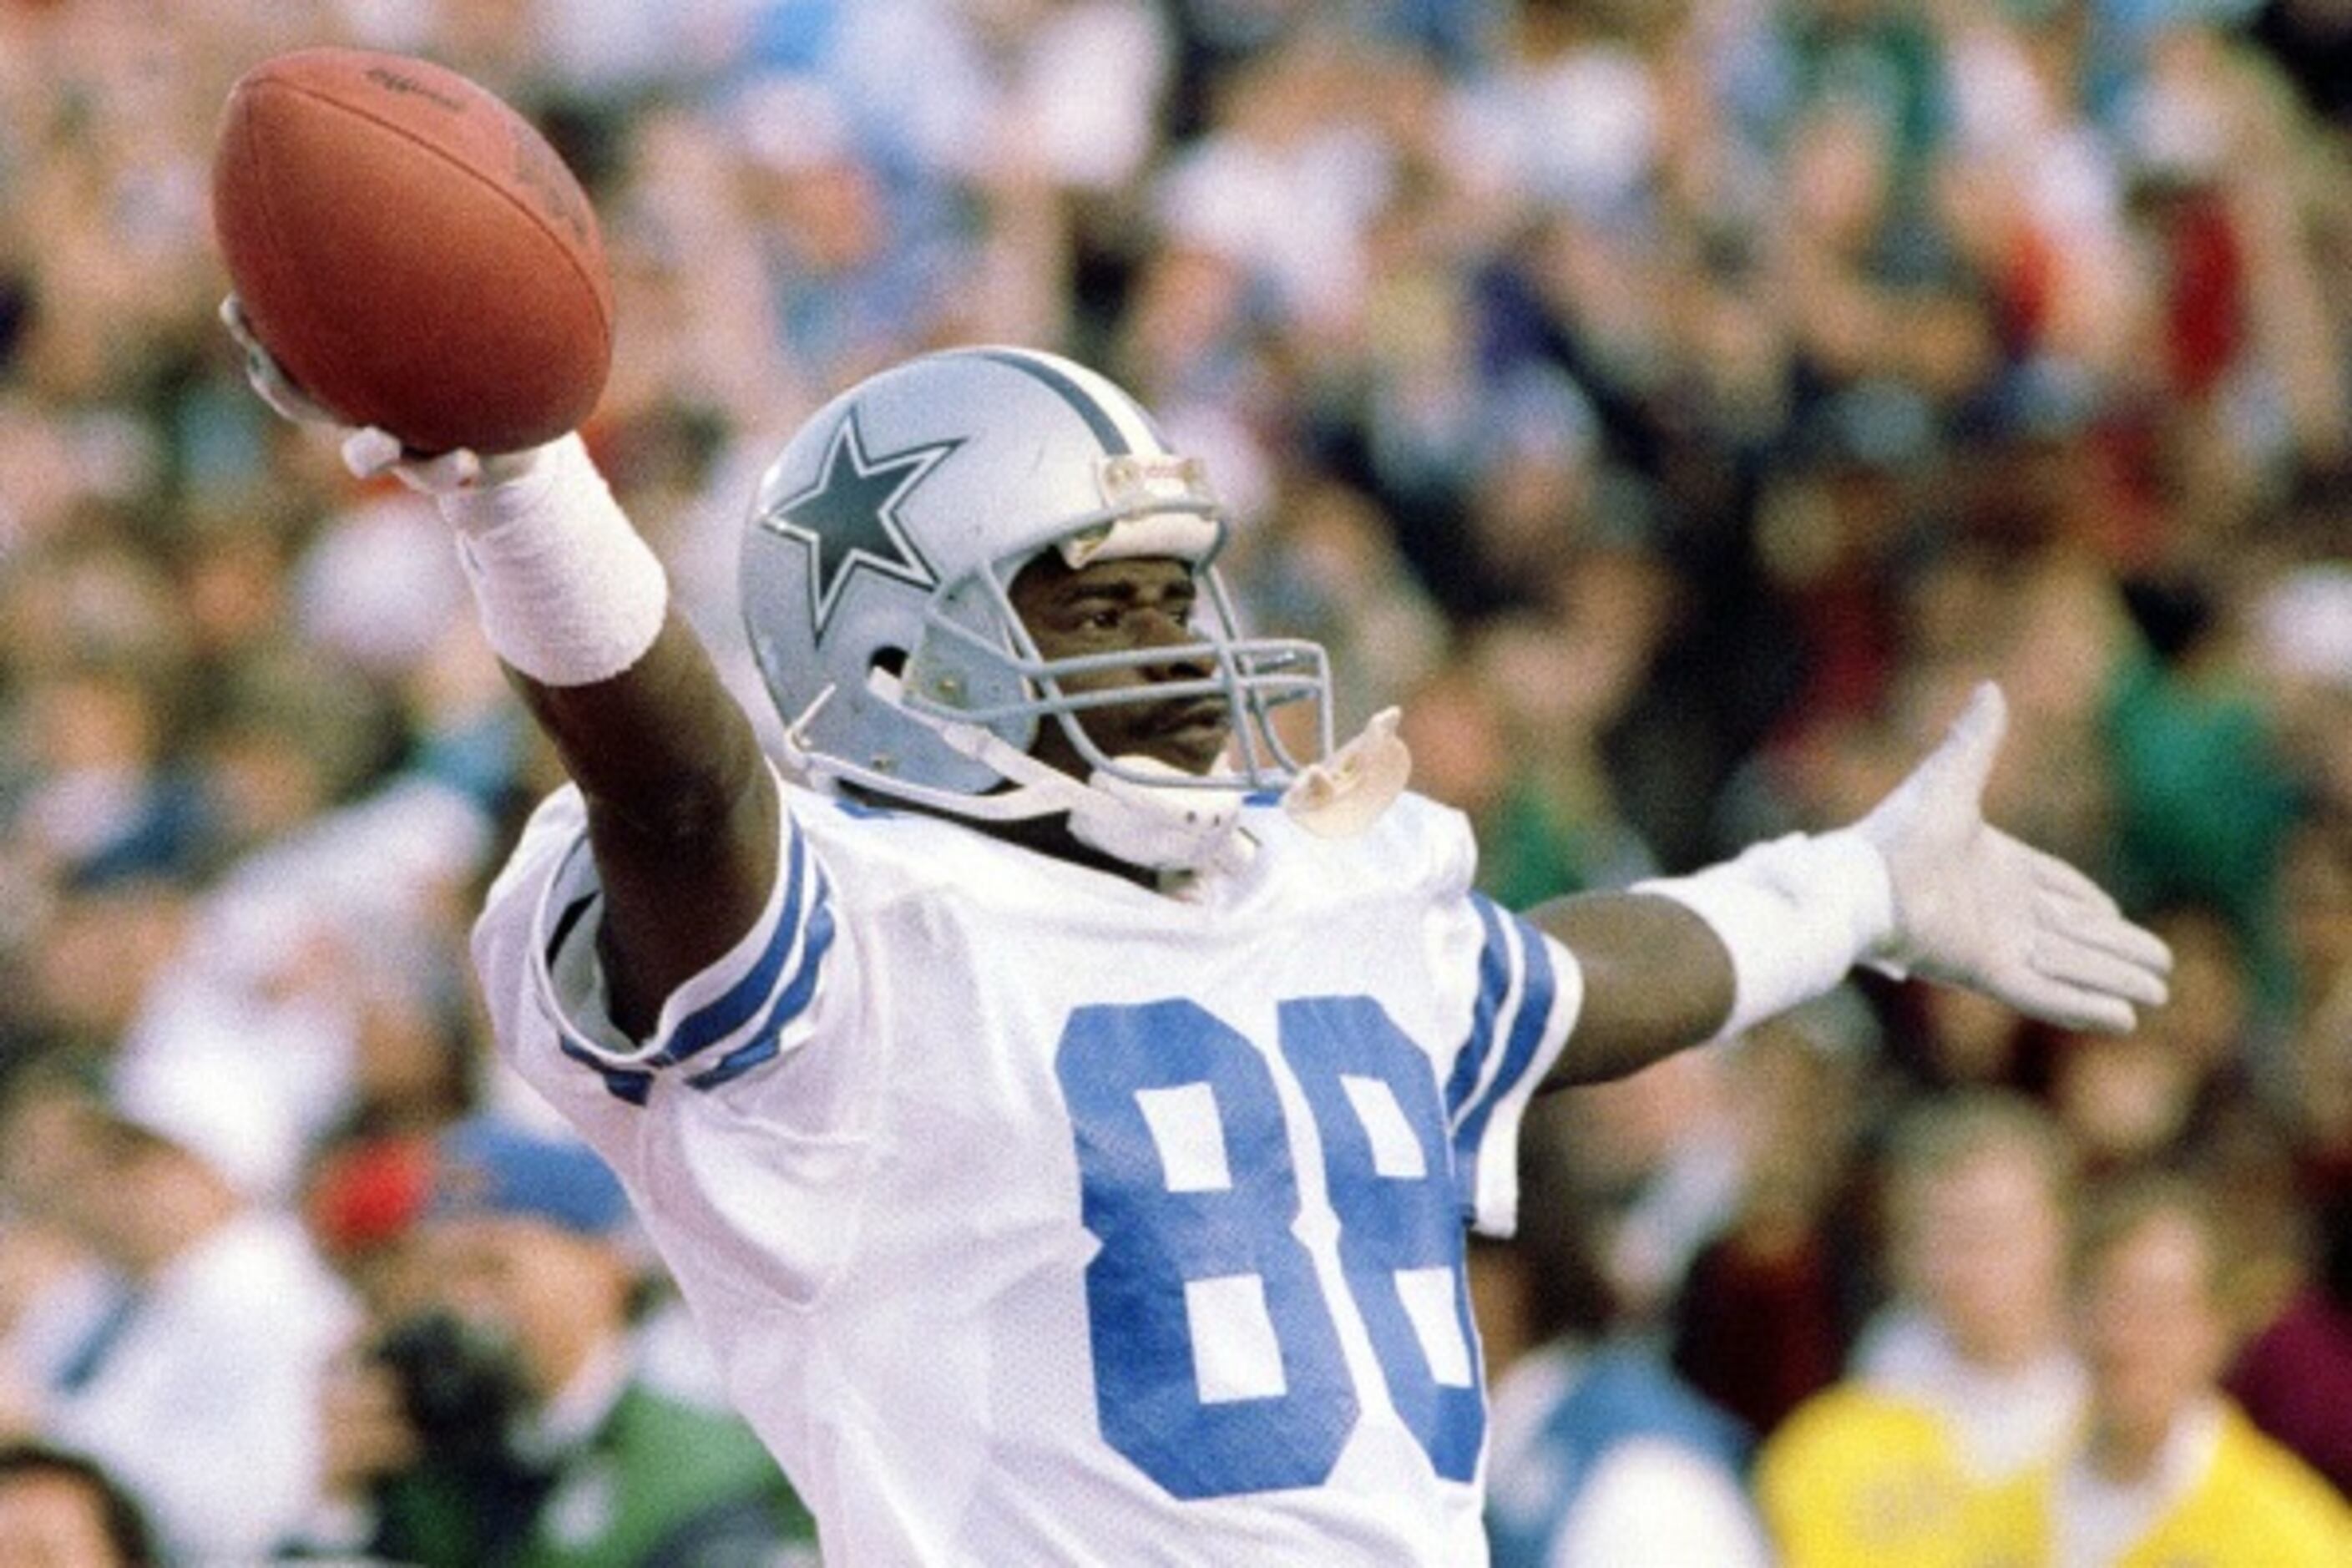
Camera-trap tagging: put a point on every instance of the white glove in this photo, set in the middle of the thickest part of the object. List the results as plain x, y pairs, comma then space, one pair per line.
368, 450
1977, 907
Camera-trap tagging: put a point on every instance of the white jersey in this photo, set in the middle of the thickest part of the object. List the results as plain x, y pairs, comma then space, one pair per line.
1035, 1217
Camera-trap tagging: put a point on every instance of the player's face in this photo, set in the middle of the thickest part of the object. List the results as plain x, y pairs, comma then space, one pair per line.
1120, 606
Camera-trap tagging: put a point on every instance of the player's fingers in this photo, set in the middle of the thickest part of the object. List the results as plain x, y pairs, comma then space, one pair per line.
2087, 1012
2106, 931
2058, 956
259, 368
452, 470
2065, 1004
261, 372
2135, 945
369, 452
2061, 880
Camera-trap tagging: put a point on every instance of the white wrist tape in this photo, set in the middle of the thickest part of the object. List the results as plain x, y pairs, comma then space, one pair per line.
568, 592
1795, 913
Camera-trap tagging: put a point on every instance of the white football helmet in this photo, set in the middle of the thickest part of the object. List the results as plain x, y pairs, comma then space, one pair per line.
874, 580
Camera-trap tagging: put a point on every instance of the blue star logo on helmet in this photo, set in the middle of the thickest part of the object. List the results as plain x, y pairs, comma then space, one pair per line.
849, 517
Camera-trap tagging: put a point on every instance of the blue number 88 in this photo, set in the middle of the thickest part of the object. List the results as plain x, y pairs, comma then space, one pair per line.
1223, 1228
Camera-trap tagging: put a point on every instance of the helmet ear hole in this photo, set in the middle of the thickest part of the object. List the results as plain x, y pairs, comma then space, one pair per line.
886, 661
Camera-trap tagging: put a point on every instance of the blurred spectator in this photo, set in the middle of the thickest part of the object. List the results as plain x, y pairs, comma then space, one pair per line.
1598, 1453
2312, 41
2205, 797
858, 267
107, 807
1288, 177
1324, 564
1771, 1303
497, 1409
2241, 359
318, 980
2307, 1089
2164, 1094
197, 1383
1454, 725
1655, 1166
1962, 1394
2293, 1375
1835, 530
2169, 1470
2302, 637
1560, 685
83, 974
58, 1510
52, 1290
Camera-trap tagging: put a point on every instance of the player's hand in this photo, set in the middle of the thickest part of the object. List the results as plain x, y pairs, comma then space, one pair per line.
368, 451
1975, 907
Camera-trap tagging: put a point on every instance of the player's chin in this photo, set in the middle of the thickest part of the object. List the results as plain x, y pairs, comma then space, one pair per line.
1195, 748
1191, 737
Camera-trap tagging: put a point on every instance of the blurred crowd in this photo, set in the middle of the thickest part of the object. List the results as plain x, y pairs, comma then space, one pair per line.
1674, 404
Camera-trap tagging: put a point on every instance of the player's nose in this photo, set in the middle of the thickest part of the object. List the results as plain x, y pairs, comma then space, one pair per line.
1188, 658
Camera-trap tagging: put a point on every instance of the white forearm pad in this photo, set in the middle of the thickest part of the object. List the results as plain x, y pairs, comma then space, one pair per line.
1795, 914
568, 593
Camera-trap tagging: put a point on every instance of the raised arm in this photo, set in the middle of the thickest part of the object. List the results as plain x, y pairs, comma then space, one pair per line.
683, 816
1923, 884
683, 813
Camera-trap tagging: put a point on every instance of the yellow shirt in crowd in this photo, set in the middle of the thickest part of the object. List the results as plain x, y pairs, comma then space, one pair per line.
2226, 1496
1860, 1478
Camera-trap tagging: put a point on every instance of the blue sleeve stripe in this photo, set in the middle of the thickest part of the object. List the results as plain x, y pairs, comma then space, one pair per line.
1537, 989
1537, 992
727, 1014
1494, 985
631, 1084
768, 1039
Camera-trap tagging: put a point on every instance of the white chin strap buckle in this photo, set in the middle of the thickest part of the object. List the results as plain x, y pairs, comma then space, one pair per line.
1346, 793
1168, 827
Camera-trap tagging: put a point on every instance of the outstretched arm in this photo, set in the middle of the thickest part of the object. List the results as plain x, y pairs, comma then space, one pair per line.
1656, 979
1923, 884
683, 814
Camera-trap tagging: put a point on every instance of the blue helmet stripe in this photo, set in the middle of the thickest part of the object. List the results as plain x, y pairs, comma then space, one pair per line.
1088, 406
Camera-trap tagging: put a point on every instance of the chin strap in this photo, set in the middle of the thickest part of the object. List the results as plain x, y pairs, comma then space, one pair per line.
1158, 827
1179, 826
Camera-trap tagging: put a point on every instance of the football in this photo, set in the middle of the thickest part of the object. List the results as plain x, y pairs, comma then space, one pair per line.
411, 250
